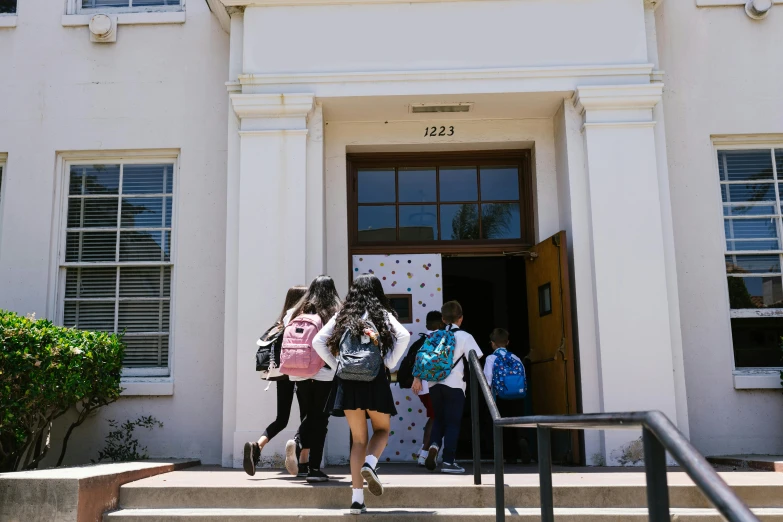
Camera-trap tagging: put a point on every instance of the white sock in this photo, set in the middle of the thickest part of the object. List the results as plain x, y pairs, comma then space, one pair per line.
357, 495
372, 460
423, 452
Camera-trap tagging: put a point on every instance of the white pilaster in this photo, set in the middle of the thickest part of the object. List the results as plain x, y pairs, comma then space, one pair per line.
631, 292
272, 240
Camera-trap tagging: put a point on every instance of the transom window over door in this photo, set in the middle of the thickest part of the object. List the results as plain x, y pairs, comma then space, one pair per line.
442, 200
751, 184
116, 265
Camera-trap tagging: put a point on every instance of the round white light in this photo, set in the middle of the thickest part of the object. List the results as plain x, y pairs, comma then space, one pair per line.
758, 9
100, 25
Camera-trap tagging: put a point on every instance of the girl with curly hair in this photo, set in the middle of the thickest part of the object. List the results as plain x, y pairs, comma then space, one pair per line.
358, 400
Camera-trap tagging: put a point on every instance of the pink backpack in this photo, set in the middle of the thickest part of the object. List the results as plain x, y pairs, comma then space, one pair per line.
297, 357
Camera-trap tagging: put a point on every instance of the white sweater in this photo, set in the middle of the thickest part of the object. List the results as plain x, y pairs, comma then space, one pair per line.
400, 334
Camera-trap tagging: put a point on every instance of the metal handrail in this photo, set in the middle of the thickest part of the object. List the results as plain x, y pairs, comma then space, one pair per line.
659, 435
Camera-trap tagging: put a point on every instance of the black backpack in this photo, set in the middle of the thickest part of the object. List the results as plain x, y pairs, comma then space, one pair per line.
268, 353
405, 373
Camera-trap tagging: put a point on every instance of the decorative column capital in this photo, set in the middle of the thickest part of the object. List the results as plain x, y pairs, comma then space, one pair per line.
273, 105
617, 97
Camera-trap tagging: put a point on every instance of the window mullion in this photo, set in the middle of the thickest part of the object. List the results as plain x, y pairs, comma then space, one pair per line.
778, 222
117, 253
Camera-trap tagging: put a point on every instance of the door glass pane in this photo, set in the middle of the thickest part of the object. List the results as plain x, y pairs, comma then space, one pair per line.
745, 165
418, 223
459, 222
458, 184
377, 223
500, 221
499, 183
417, 185
757, 342
376, 186
755, 292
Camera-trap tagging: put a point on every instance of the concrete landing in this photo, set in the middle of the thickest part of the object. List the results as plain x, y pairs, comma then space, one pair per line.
757, 462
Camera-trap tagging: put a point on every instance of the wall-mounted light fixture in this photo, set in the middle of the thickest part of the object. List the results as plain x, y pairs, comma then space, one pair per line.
758, 9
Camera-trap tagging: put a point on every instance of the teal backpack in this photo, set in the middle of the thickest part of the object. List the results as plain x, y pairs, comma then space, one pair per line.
435, 358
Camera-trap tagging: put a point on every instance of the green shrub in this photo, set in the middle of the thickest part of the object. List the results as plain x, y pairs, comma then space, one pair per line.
120, 444
46, 370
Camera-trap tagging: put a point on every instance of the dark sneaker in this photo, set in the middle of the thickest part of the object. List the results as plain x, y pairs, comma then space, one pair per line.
316, 475
371, 477
358, 509
248, 458
431, 462
256, 454
291, 461
451, 468
304, 470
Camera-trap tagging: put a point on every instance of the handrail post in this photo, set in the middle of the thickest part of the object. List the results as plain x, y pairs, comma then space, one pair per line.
545, 474
500, 499
655, 468
474, 416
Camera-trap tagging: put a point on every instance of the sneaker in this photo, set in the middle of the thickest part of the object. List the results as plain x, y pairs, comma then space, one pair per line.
304, 470
291, 461
431, 462
358, 509
373, 483
249, 457
451, 468
421, 460
316, 475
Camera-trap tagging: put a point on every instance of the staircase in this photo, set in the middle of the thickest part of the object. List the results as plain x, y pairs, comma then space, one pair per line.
207, 494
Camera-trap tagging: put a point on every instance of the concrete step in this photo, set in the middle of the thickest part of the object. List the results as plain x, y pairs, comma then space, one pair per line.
461, 514
205, 488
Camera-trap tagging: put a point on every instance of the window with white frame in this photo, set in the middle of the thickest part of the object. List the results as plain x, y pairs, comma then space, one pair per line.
128, 5
751, 184
116, 265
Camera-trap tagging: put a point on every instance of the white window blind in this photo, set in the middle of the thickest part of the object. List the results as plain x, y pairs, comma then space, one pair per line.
89, 4
117, 259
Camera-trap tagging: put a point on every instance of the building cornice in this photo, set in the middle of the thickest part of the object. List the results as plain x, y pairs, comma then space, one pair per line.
272, 105
618, 97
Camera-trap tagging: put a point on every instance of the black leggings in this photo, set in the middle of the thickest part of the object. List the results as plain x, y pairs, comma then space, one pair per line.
312, 396
285, 398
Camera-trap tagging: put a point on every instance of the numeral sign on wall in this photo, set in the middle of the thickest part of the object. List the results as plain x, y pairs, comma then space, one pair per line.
438, 131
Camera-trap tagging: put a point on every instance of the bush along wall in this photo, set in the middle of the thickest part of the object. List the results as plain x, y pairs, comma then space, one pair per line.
45, 370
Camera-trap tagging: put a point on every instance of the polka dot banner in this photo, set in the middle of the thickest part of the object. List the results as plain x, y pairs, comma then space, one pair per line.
423, 276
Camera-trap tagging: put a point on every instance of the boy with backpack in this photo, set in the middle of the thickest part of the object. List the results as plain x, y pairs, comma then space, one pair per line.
405, 378
441, 362
505, 373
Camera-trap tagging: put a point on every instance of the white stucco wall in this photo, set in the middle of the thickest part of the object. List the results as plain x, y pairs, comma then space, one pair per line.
159, 86
443, 35
723, 72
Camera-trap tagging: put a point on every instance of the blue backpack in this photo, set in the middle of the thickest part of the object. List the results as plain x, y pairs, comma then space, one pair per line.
508, 376
435, 358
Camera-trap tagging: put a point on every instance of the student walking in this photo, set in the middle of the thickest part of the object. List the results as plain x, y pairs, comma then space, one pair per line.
285, 393
505, 373
405, 378
441, 362
319, 303
364, 339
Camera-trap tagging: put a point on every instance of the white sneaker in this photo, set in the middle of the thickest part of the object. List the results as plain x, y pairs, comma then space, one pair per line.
451, 468
421, 460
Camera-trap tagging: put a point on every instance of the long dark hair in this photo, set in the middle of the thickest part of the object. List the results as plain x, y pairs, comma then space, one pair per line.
321, 298
365, 295
294, 294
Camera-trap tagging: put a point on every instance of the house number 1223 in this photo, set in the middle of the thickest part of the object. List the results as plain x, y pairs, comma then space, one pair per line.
438, 131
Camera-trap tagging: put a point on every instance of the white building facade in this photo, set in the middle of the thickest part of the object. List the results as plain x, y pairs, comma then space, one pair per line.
407, 138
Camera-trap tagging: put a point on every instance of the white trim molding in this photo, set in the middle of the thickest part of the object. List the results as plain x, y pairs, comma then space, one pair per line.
8, 21
143, 18
272, 105
275, 3
136, 386
618, 97
757, 379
